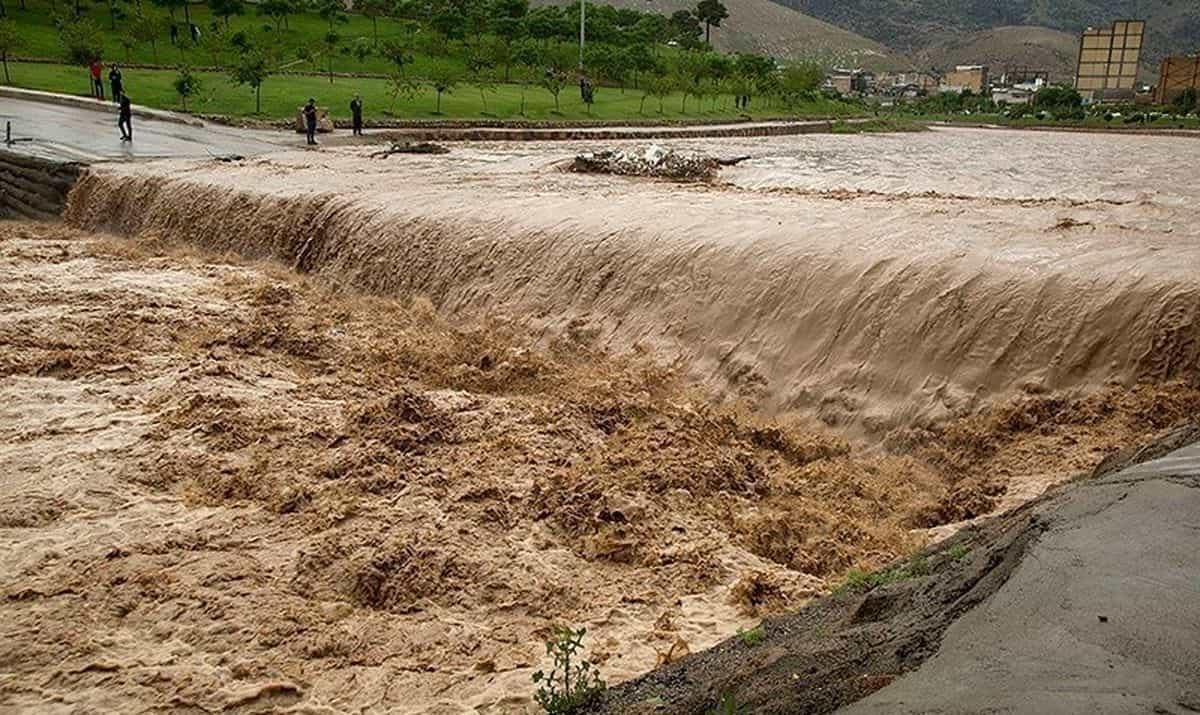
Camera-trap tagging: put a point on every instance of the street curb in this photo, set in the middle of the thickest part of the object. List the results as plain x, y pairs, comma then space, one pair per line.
70, 100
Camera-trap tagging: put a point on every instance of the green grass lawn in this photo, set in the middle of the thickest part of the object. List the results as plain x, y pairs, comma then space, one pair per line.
282, 95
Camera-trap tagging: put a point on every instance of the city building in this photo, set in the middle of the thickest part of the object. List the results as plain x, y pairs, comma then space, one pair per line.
1175, 75
1108, 61
966, 77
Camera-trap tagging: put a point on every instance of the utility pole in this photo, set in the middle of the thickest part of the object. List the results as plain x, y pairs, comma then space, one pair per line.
582, 32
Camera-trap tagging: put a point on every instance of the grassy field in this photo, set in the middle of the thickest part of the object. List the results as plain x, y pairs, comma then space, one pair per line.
41, 40
282, 95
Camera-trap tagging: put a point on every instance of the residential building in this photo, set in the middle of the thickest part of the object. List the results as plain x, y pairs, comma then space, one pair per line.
966, 77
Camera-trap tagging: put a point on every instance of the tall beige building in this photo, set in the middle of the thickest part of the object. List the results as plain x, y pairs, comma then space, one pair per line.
1108, 60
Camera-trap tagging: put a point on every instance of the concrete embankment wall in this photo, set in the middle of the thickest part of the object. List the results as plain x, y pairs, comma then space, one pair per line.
33, 188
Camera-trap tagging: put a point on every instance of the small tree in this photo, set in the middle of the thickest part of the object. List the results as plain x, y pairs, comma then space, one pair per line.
374, 9
186, 85
1186, 102
144, 25
557, 73
444, 76
225, 9
400, 86
331, 11
214, 43
398, 53
82, 42
361, 49
277, 10
528, 58
251, 69
11, 40
479, 67
330, 42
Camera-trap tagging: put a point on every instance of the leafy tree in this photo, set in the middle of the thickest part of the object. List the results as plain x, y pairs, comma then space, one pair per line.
1059, 101
277, 10
508, 24
398, 53
546, 23
684, 28
214, 43
331, 11
252, 70
640, 59
528, 58
115, 12
186, 84
799, 81
711, 13
400, 86
444, 76
556, 75
82, 42
330, 41
170, 6
11, 40
1186, 102
449, 20
225, 9
479, 67
144, 25
374, 9
658, 85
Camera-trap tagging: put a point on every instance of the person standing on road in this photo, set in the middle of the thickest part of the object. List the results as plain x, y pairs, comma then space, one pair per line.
356, 114
310, 121
97, 82
125, 118
114, 79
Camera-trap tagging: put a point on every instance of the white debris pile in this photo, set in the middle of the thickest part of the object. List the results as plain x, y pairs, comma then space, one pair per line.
652, 160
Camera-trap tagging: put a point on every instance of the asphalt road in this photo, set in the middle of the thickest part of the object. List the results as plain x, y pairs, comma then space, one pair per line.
1102, 615
87, 135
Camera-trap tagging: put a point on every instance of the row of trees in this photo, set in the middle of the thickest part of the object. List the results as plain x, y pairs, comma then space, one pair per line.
475, 42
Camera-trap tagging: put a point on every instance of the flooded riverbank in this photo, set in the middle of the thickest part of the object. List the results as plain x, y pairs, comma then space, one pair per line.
333, 433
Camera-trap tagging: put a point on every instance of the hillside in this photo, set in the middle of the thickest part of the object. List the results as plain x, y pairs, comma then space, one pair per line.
908, 25
768, 28
1035, 47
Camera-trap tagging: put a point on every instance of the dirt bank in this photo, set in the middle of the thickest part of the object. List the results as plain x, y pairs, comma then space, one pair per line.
232, 487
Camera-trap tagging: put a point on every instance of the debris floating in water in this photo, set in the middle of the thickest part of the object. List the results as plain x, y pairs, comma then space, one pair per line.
410, 148
652, 160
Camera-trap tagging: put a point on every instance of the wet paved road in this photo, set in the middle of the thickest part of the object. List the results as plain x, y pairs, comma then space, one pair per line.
78, 134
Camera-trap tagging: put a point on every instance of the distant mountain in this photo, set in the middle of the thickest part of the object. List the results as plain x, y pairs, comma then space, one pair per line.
1025, 46
768, 28
914, 25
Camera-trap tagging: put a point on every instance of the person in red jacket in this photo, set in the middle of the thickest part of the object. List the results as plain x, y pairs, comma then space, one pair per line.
97, 84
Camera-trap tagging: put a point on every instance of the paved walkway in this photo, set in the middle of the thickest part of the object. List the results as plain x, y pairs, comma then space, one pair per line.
1102, 615
87, 135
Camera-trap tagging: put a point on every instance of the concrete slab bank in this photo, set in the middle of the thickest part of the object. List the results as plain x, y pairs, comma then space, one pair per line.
34, 188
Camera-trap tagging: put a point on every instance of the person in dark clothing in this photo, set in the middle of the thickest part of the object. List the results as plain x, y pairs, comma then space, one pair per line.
125, 118
356, 113
195, 32
97, 82
114, 80
174, 34
310, 120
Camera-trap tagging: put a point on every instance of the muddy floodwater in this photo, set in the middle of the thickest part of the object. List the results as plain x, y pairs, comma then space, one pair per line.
320, 432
